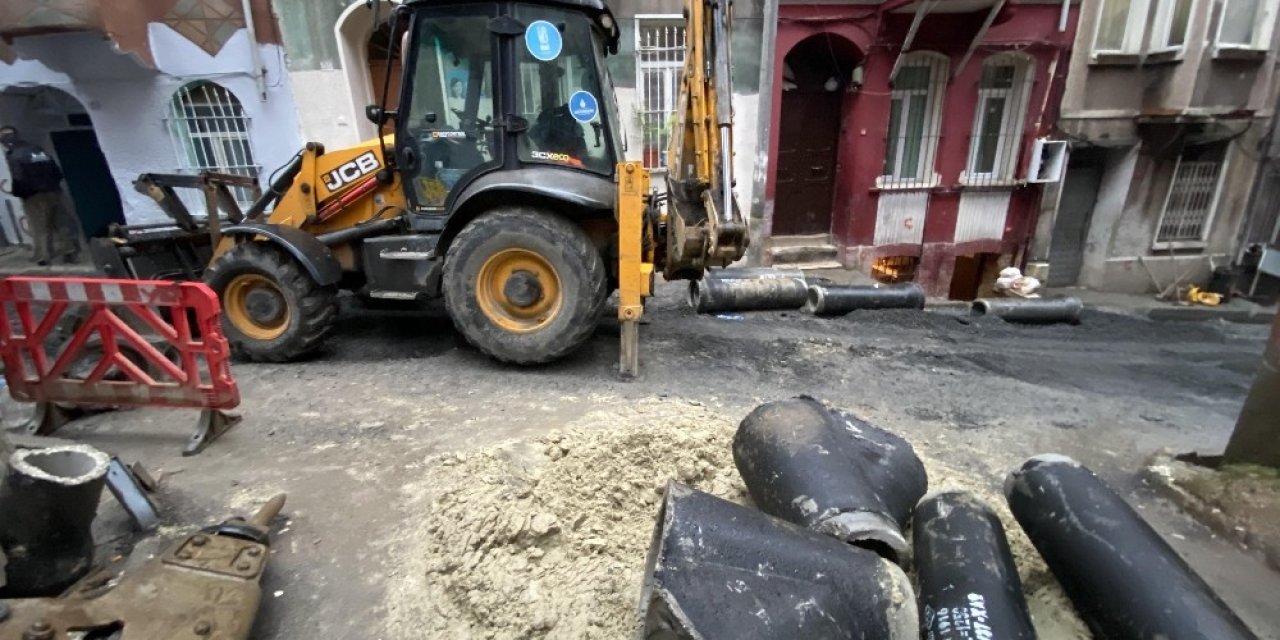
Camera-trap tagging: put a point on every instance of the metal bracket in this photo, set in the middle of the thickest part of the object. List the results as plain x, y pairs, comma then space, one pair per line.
129, 491
212, 424
506, 26
220, 554
49, 417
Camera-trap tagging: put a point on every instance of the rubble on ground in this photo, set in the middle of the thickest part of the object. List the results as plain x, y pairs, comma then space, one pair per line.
548, 537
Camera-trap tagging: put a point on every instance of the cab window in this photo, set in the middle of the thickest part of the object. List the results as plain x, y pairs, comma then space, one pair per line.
450, 119
560, 92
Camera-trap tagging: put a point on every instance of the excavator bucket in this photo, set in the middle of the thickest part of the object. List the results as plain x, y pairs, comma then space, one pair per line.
719, 570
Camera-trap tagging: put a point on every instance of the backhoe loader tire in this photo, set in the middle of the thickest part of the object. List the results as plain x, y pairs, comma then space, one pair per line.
524, 285
272, 311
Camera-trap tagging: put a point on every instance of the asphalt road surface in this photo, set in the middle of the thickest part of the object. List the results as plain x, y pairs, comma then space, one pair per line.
343, 431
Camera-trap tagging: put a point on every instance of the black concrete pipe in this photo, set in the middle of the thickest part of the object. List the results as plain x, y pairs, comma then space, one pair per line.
966, 577
754, 273
711, 295
826, 470
719, 570
1124, 579
47, 505
837, 301
1030, 310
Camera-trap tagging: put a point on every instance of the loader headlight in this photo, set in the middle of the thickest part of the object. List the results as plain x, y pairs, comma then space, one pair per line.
606, 21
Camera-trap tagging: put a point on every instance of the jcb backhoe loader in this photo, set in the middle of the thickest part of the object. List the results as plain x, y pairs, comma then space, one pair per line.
502, 189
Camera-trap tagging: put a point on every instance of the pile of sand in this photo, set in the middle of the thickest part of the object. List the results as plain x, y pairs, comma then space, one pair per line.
548, 538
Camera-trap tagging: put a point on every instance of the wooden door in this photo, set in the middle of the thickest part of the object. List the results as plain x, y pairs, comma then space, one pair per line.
807, 146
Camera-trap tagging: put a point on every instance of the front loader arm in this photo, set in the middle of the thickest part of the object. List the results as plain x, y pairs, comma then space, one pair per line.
704, 226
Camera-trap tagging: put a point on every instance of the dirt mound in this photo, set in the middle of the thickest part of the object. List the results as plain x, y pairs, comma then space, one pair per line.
547, 538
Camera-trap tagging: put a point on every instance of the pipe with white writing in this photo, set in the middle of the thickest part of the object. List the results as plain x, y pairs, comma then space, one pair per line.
967, 580
1124, 579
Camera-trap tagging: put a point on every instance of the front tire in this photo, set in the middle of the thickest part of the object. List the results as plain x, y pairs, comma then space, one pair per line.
272, 311
523, 285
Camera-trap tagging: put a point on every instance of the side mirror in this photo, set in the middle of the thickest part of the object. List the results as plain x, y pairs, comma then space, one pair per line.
378, 115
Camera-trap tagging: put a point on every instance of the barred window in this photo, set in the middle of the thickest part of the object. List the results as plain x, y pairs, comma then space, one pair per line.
1192, 197
659, 63
1003, 92
915, 114
210, 132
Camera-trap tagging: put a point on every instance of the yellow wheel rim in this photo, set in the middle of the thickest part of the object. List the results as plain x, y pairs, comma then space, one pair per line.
256, 306
519, 290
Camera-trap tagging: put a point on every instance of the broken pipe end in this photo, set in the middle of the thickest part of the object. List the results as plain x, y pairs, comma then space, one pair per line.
869, 530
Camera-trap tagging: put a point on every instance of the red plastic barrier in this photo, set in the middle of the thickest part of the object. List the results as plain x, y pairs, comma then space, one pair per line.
139, 342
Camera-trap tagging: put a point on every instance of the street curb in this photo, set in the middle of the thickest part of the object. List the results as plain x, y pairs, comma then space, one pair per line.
1256, 315
1221, 523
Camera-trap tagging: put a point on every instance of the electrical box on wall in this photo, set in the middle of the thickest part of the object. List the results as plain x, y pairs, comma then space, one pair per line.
1048, 160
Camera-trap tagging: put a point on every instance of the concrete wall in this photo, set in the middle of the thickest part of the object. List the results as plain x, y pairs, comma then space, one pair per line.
1101, 86
1106, 99
128, 103
1128, 209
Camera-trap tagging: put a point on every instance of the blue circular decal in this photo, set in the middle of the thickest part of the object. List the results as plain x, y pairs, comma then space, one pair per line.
543, 40
583, 106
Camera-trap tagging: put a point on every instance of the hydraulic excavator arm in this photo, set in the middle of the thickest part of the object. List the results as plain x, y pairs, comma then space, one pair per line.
706, 229
702, 226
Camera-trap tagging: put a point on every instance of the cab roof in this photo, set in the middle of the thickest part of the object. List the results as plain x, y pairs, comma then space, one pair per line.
596, 9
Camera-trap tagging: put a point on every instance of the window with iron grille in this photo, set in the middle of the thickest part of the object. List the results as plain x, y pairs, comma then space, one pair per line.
997, 128
1192, 197
915, 113
210, 132
659, 63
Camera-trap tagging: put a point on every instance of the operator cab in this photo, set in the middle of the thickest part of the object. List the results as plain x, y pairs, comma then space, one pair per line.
495, 86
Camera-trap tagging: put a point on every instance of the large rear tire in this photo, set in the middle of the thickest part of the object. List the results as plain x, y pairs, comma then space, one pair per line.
272, 311
523, 285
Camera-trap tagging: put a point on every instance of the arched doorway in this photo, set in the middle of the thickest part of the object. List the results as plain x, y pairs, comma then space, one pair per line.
816, 74
365, 51
60, 124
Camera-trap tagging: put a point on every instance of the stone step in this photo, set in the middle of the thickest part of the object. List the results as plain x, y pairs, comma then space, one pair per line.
801, 241
811, 266
793, 255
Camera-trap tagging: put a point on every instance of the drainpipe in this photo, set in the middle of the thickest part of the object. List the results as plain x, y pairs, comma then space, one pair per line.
259, 73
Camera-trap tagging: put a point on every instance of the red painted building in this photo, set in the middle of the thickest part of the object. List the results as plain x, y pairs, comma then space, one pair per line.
903, 133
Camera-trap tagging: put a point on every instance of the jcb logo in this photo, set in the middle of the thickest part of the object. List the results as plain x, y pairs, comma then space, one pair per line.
349, 172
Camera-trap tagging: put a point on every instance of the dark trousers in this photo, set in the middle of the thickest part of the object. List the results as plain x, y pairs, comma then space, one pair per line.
47, 219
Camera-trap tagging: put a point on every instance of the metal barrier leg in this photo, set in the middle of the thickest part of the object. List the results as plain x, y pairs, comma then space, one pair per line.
212, 423
49, 417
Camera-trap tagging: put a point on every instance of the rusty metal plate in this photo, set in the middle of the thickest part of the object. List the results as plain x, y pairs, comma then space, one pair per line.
219, 554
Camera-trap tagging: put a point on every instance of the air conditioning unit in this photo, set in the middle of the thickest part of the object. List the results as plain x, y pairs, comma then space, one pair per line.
1048, 161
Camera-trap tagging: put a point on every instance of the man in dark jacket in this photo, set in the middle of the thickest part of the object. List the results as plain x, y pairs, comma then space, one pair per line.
37, 181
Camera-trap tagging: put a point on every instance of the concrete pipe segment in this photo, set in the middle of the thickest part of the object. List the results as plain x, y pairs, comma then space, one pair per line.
826, 300
1124, 579
830, 472
48, 501
714, 294
721, 571
966, 577
1030, 310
